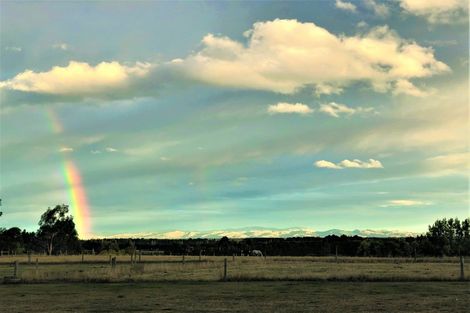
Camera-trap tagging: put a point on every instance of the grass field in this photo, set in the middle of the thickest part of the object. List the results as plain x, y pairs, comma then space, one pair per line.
171, 268
280, 296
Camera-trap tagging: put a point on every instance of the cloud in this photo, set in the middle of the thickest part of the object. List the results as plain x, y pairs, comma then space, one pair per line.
359, 164
65, 149
379, 9
109, 149
362, 24
336, 109
327, 164
452, 163
403, 86
281, 56
61, 46
95, 151
350, 164
327, 89
347, 6
405, 203
286, 55
437, 11
77, 78
14, 49
283, 107
439, 123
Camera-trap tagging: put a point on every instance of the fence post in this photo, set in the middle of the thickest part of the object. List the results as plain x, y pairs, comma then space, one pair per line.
132, 257
83, 258
462, 274
183, 259
37, 264
110, 260
225, 269
29, 257
15, 271
113, 263
233, 257
140, 256
336, 254
200, 252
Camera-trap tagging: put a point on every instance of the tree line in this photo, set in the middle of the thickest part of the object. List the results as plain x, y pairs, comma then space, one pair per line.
57, 235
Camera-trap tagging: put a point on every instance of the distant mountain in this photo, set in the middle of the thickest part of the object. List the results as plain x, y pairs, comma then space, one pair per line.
260, 232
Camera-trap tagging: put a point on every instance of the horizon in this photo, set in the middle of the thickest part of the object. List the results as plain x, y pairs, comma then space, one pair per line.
204, 116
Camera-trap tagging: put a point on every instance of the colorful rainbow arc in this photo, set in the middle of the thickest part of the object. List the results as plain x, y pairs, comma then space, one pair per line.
76, 190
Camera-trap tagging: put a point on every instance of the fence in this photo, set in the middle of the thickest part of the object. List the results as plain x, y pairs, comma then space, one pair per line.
138, 267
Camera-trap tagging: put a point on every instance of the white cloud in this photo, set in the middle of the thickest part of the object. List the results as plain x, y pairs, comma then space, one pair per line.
77, 78
14, 49
163, 158
95, 151
282, 56
402, 202
451, 163
439, 123
327, 164
61, 46
362, 24
437, 11
380, 9
109, 149
403, 86
65, 149
360, 164
327, 89
286, 55
283, 107
347, 6
336, 109
370, 164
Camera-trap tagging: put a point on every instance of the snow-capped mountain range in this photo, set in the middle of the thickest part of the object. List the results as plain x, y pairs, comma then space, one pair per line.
259, 232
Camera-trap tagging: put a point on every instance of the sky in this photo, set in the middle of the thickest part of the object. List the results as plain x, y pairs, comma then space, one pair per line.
158, 116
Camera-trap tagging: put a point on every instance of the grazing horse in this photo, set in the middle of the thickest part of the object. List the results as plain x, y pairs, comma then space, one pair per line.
256, 253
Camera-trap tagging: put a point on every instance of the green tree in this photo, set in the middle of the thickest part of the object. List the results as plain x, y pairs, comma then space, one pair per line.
450, 236
57, 229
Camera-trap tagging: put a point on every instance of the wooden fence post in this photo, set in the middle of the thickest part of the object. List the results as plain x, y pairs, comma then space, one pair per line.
183, 259
29, 257
15, 271
462, 274
336, 254
233, 257
225, 269
110, 260
37, 264
83, 258
113, 263
140, 256
200, 252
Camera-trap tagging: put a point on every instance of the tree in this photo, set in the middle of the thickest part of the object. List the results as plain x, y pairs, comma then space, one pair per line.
57, 229
449, 236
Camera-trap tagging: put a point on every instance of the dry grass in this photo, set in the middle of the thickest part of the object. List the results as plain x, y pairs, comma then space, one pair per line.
170, 268
104, 258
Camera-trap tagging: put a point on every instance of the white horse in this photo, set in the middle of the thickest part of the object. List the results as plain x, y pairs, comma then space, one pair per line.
256, 253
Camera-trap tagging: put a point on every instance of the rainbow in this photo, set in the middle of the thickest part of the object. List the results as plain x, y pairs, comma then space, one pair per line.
78, 199
77, 196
